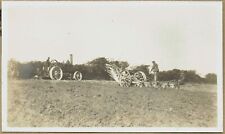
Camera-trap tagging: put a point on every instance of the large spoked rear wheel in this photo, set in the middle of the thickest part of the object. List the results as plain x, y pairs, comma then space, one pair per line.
56, 73
77, 75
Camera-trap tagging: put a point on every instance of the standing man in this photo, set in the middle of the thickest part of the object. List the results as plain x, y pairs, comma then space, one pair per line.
47, 64
155, 70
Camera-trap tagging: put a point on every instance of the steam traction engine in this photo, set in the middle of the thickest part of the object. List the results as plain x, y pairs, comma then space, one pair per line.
58, 71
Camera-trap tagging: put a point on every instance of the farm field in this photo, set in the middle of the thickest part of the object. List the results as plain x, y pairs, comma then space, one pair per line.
46, 103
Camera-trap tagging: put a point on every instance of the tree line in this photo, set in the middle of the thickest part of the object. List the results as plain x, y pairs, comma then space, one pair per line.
95, 70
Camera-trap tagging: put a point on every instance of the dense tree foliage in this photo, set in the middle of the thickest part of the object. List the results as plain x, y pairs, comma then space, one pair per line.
210, 78
95, 69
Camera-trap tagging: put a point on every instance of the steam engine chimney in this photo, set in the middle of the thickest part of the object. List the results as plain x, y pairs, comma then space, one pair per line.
71, 59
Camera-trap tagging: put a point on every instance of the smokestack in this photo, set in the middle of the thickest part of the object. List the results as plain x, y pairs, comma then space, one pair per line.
71, 59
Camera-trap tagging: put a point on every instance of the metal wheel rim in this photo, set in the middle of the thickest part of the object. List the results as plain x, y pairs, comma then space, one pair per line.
140, 76
56, 73
77, 75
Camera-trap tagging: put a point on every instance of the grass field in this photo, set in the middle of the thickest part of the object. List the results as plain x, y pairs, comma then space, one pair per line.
45, 103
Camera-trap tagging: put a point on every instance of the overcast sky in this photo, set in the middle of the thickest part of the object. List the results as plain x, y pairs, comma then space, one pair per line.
182, 35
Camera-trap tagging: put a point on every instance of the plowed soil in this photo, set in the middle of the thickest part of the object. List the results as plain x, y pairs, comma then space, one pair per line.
46, 103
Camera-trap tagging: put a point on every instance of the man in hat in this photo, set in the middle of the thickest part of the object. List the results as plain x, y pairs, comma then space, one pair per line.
155, 70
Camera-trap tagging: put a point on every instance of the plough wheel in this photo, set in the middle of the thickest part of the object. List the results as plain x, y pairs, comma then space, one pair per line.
56, 73
140, 76
125, 79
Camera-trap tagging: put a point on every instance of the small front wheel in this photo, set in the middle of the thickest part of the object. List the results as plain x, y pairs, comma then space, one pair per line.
77, 75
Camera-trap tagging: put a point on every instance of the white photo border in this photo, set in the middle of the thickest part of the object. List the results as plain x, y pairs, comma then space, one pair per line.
6, 128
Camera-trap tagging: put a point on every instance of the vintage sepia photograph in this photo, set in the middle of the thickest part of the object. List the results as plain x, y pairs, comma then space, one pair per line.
112, 66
